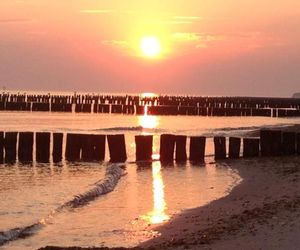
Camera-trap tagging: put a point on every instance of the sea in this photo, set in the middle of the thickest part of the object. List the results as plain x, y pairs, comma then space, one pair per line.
143, 197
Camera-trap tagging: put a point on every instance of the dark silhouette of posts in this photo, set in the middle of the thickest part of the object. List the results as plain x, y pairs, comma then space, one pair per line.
197, 148
25, 151
288, 143
1, 147
144, 144
73, 147
117, 148
10, 146
234, 147
42, 145
298, 143
57, 147
220, 147
270, 142
180, 148
99, 147
167, 145
250, 147
93, 147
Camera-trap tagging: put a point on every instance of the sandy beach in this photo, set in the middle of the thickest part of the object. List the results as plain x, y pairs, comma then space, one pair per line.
262, 212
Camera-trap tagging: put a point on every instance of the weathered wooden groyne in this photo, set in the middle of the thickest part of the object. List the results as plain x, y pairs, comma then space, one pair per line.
89, 148
153, 105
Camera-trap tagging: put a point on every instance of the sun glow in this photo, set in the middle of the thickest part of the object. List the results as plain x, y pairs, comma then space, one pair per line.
150, 46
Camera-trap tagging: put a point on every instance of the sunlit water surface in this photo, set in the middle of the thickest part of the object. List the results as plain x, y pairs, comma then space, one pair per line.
146, 196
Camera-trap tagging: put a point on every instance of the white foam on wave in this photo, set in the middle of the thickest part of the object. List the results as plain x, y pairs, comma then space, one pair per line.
112, 175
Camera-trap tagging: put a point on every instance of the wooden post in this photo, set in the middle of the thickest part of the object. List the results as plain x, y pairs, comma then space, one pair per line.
250, 147
10, 145
270, 142
57, 147
197, 148
220, 147
234, 147
73, 147
298, 143
93, 147
288, 143
25, 147
144, 149
1, 147
180, 148
87, 148
117, 148
99, 147
167, 144
42, 145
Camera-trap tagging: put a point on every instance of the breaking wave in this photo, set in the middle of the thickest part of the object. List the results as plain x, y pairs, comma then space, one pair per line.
112, 175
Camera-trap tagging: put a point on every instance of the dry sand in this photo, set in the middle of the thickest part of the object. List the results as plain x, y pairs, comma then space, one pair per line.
262, 212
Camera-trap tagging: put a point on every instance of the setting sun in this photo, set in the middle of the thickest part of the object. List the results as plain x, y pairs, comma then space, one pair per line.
150, 46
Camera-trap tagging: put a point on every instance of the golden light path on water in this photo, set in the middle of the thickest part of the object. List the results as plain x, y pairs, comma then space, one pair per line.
158, 213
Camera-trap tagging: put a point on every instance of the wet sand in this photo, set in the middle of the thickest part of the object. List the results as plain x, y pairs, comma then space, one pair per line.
262, 212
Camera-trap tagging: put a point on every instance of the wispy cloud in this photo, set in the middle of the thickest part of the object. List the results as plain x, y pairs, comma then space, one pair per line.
15, 20
194, 36
170, 22
194, 18
97, 11
117, 43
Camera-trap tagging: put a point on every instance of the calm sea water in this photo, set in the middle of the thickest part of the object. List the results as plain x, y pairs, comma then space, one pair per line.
146, 196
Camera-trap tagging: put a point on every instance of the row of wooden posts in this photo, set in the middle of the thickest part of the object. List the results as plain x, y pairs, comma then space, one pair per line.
155, 100
151, 110
87, 147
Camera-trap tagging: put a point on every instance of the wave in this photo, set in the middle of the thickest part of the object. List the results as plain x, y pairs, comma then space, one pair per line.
135, 128
112, 175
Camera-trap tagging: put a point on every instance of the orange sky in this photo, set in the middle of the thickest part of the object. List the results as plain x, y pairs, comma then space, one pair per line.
208, 47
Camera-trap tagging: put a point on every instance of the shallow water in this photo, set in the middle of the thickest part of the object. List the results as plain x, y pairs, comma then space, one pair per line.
148, 194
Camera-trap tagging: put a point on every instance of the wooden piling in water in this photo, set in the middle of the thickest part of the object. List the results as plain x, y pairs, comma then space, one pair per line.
167, 145
1, 147
270, 142
220, 147
57, 147
42, 145
117, 148
234, 147
93, 148
73, 147
10, 146
197, 148
288, 143
25, 150
144, 144
298, 143
250, 147
180, 148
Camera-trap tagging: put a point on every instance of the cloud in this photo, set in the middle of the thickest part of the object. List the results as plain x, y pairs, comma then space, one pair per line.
194, 36
117, 43
15, 20
187, 18
97, 11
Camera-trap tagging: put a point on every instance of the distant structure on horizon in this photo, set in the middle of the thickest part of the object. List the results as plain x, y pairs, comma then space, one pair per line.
296, 95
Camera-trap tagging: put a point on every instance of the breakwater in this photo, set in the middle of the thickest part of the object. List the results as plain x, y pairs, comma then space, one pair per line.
153, 105
91, 147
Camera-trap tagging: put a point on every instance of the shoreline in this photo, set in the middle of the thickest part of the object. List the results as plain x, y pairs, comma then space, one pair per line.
263, 211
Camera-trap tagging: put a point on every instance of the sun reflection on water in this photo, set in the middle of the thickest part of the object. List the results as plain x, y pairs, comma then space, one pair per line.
147, 121
158, 214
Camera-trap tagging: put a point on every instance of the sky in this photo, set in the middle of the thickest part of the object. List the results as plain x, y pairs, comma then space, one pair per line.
218, 48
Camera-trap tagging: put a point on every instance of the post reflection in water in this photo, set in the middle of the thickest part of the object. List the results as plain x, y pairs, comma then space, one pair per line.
158, 213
